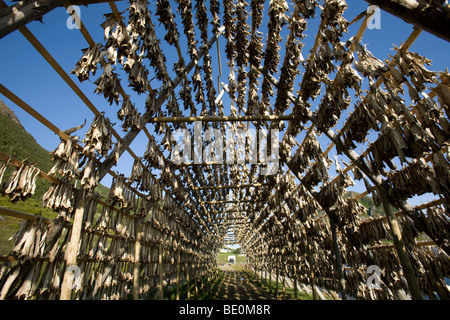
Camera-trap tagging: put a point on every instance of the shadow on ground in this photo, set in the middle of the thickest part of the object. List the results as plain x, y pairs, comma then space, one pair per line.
236, 286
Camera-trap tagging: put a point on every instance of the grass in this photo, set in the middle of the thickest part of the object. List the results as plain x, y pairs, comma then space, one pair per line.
223, 258
207, 293
285, 293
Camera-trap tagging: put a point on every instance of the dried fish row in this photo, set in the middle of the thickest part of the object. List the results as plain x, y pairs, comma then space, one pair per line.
21, 184
66, 158
310, 151
3, 167
367, 64
292, 60
433, 268
229, 21
415, 179
23, 280
277, 18
185, 10
89, 62
255, 51
438, 223
108, 84
137, 73
59, 196
372, 231
320, 63
129, 115
333, 190
357, 126
317, 173
166, 17
98, 140
150, 45
120, 193
153, 156
336, 97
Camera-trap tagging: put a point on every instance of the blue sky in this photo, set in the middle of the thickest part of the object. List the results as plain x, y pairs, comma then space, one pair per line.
29, 76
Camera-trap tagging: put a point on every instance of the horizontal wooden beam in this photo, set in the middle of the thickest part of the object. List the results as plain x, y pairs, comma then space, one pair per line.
425, 243
230, 201
232, 211
225, 118
238, 186
192, 164
21, 13
429, 17
22, 215
146, 117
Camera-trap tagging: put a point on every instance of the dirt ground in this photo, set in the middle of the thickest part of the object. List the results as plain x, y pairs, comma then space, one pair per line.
236, 286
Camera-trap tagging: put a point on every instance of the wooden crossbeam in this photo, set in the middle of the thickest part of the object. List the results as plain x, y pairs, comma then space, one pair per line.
224, 118
213, 163
146, 117
23, 12
254, 185
429, 17
230, 201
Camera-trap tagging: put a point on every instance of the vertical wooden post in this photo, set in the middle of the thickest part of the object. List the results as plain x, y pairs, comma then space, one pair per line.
265, 275
400, 246
196, 280
295, 288
160, 271
337, 255
72, 246
311, 265
188, 282
270, 274
177, 297
276, 280
137, 258
284, 283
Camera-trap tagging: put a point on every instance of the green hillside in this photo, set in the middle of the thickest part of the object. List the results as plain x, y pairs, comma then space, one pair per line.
16, 141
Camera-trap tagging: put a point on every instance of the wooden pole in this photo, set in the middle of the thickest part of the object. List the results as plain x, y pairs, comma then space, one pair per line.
400, 246
24, 12
432, 18
284, 283
137, 257
72, 246
224, 118
375, 179
195, 280
265, 276
270, 274
188, 282
132, 134
311, 266
160, 271
276, 280
177, 297
338, 260
254, 185
295, 283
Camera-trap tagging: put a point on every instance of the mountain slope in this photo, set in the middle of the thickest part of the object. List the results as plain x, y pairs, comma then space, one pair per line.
17, 142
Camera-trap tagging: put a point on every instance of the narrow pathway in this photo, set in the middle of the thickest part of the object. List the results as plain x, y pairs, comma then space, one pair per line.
236, 286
